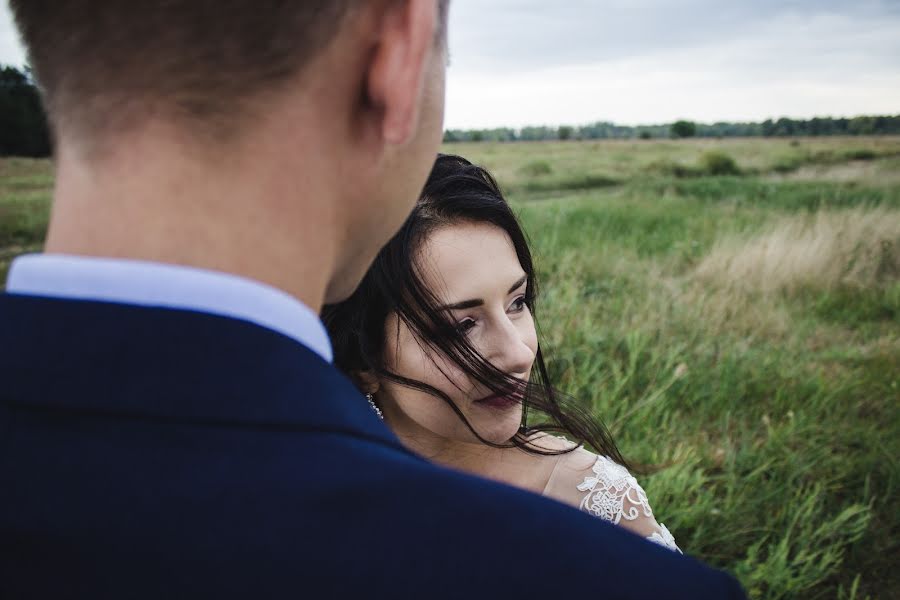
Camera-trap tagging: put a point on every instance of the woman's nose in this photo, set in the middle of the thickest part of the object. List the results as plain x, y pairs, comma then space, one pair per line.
513, 355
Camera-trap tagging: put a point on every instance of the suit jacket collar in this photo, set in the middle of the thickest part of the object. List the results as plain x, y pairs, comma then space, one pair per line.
159, 363
144, 283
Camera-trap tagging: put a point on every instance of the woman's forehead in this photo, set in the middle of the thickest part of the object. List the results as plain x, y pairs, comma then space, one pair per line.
467, 258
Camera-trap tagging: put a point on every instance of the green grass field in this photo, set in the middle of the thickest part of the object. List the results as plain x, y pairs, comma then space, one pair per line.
731, 310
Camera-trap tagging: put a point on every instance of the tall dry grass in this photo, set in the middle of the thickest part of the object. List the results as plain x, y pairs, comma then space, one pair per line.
751, 283
858, 248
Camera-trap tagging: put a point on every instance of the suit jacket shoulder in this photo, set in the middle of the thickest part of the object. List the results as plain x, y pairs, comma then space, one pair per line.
149, 453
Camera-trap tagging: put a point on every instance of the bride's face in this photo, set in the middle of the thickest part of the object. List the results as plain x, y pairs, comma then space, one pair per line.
474, 271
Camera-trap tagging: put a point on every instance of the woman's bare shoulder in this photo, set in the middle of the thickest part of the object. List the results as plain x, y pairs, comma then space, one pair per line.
605, 489
547, 441
571, 470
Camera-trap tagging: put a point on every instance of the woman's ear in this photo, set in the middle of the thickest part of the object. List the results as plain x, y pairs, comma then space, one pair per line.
367, 381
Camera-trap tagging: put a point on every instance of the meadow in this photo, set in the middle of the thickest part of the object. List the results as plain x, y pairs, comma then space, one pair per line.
730, 309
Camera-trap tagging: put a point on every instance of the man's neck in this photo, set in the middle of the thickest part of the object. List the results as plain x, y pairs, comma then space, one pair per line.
154, 201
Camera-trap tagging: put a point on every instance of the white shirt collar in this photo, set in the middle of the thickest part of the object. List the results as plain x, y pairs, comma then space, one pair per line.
170, 286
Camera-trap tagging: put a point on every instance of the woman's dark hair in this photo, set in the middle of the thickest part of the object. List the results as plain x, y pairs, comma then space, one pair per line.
456, 192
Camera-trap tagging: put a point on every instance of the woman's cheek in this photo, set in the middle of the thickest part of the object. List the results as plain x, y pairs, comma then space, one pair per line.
448, 377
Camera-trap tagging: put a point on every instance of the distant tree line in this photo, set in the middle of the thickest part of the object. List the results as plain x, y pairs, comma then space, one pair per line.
24, 131
23, 124
784, 127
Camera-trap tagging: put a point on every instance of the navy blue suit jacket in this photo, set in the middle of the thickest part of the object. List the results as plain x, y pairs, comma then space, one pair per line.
156, 453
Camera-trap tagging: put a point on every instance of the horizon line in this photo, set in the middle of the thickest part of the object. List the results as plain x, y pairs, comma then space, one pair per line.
668, 123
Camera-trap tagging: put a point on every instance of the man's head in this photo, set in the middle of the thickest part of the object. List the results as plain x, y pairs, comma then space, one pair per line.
360, 80
103, 64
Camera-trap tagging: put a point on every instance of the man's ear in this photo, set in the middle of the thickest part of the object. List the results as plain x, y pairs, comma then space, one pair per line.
396, 73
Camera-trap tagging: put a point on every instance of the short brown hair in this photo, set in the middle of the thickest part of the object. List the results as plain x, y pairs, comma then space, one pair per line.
102, 63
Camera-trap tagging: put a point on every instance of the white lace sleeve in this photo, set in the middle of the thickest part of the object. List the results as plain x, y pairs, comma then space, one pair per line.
613, 494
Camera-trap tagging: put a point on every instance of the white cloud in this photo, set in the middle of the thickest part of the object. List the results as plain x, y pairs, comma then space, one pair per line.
11, 51
653, 61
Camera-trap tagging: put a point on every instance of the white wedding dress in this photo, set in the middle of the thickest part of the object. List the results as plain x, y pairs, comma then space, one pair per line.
605, 489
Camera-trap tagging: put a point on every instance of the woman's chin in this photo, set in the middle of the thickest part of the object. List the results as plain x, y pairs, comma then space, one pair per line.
502, 429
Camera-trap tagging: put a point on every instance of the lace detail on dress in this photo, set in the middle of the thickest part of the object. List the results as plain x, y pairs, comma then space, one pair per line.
609, 489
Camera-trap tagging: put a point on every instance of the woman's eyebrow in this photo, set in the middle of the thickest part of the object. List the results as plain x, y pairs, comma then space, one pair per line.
478, 301
518, 284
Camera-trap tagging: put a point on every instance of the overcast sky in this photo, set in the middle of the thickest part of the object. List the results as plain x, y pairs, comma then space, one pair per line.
532, 62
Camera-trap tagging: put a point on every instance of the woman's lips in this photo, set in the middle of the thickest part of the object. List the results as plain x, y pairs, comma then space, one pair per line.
499, 402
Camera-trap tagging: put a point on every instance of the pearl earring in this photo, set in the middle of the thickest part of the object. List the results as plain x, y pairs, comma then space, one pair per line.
377, 410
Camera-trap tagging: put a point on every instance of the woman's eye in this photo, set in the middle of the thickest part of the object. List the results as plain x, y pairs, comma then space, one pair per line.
465, 325
519, 304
